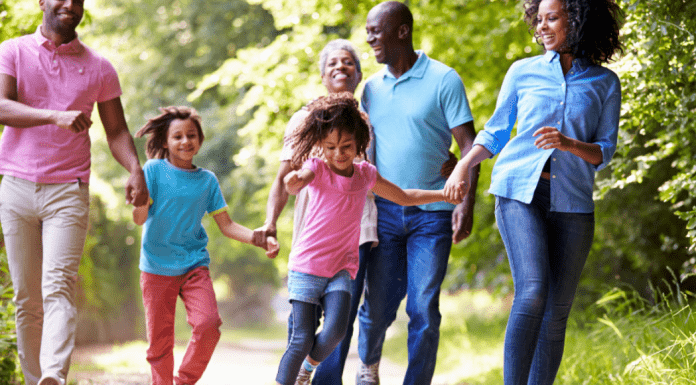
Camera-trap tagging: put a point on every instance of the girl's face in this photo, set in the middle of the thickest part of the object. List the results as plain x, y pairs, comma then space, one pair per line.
552, 25
341, 72
183, 142
339, 152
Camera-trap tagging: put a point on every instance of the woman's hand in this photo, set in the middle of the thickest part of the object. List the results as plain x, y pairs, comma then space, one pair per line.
457, 184
550, 137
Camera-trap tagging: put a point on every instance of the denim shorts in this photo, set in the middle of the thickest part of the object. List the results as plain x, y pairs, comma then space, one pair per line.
311, 288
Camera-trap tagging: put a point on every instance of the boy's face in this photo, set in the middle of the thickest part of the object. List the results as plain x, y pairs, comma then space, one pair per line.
339, 152
183, 142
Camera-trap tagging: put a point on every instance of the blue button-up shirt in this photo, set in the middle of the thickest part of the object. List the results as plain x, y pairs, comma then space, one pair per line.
583, 104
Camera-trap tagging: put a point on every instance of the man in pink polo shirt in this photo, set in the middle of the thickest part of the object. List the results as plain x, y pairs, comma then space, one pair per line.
49, 83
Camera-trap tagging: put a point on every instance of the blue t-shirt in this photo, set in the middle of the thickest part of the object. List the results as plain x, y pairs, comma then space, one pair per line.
412, 118
583, 104
174, 241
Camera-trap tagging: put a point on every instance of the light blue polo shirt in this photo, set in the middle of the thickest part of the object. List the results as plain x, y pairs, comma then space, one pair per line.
174, 240
412, 118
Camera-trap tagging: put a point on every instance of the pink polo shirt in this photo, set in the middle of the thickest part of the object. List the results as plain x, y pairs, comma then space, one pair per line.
68, 77
328, 242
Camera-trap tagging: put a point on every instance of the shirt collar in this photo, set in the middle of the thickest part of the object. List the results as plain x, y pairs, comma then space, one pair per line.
73, 46
581, 62
417, 71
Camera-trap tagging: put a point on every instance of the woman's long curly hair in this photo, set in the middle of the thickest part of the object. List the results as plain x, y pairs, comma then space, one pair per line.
333, 112
593, 27
157, 129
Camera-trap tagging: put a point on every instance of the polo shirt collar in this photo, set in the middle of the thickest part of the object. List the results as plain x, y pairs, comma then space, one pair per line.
73, 46
417, 71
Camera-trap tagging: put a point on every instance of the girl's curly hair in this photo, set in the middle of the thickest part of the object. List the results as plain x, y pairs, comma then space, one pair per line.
157, 129
333, 112
593, 27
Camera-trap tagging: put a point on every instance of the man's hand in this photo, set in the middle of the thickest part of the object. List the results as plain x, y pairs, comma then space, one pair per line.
262, 234
462, 221
75, 121
136, 188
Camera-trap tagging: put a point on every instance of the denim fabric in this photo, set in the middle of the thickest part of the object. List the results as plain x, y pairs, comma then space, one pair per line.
302, 340
547, 251
330, 372
411, 258
311, 288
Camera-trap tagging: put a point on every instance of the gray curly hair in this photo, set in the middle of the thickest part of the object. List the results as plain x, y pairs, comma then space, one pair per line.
335, 45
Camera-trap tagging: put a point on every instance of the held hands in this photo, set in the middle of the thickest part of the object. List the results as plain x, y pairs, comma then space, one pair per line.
75, 121
457, 185
550, 138
270, 244
265, 238
136, 188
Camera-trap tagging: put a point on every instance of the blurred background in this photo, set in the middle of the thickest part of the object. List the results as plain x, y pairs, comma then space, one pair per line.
247, 66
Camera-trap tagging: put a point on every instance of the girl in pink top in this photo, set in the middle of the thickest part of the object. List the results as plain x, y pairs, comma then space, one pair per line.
324, 259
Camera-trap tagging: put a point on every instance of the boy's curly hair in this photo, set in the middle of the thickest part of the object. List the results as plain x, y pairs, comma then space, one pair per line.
593, 27
157, 129
333, 112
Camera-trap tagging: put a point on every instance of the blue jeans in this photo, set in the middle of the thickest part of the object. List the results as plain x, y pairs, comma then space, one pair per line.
308, 295
330, 372
547, 251
411, 258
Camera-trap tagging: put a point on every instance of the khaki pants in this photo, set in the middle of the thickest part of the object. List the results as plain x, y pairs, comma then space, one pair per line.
45, 226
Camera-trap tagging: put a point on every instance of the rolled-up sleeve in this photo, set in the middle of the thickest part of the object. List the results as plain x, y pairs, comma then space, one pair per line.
608, 128
499, 127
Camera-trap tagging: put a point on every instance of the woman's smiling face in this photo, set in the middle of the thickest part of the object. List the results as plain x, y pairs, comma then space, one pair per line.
552, 25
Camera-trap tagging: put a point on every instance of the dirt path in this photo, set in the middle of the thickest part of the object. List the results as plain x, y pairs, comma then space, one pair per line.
251, 362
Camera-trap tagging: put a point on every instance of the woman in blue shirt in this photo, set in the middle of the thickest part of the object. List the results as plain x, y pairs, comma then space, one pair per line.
567, 108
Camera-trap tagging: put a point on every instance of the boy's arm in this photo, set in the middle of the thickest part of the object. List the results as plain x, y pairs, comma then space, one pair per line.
241, 233
140, 213
408, 197
297, 180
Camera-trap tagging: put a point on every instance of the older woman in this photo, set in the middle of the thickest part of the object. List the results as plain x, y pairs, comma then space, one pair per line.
566, 106
339, 64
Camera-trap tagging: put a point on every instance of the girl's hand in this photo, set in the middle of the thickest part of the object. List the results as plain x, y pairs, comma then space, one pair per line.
272, 247
550, 138
457, 184
293, 182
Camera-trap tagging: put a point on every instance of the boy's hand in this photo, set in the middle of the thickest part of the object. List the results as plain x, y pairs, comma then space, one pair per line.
272, 247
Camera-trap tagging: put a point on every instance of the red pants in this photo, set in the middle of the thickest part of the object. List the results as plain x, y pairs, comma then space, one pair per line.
159, 298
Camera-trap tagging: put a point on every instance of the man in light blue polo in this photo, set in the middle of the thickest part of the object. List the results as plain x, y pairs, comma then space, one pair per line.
415, 104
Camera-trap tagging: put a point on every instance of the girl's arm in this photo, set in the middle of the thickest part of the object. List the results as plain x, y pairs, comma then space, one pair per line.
408, 197
241, 233
297, 180
140, 213
457, 186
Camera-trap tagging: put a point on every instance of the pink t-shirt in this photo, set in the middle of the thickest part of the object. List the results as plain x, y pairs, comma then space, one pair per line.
68, 77
328, 242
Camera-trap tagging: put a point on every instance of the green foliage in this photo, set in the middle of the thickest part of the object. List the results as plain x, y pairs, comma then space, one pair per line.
9, 364
18, 17
632, 341
658, 124
479, 39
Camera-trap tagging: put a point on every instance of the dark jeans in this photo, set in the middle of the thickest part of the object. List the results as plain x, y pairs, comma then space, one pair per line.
411, 258
302, 340
330, 372
547, 251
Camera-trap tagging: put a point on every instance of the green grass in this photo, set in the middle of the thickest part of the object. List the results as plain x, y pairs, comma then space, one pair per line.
621, 339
